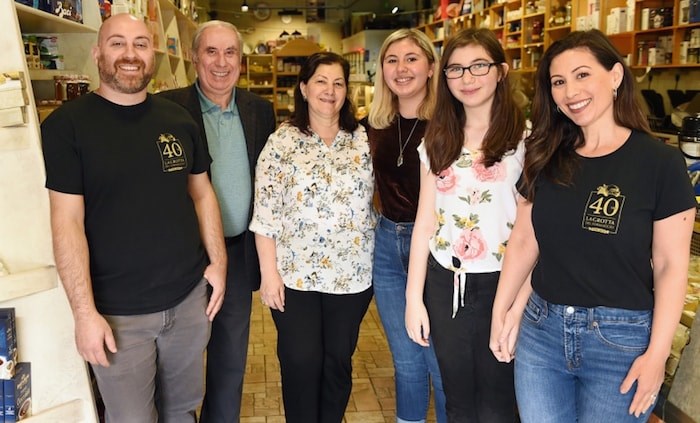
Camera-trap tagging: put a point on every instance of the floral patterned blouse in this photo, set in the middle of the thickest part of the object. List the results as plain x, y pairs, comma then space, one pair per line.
315, 201
475, 210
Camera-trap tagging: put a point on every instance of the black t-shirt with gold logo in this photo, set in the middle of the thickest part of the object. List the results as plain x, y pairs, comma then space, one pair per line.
131, 164
595, 236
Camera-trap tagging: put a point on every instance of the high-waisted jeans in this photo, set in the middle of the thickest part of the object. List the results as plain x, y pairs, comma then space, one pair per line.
415, 366
570, 362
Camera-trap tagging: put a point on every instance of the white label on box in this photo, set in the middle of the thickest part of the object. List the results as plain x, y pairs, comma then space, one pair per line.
644, 21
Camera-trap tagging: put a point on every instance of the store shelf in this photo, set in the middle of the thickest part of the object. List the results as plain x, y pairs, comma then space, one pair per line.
34, 20
291, 56
29, 282
48, 74
70, 411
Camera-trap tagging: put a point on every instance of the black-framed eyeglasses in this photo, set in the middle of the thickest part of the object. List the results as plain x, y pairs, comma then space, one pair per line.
476, 69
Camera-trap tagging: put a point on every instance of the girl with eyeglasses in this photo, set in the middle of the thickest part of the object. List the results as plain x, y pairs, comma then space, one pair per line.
471, 158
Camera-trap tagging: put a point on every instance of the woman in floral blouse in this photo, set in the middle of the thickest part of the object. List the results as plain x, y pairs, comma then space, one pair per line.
313, 225
471, 159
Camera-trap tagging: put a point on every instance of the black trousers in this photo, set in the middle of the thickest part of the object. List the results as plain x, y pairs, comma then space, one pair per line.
228, 346
478, 388
316, 337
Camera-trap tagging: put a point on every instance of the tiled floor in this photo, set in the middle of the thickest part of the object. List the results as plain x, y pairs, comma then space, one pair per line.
372, 399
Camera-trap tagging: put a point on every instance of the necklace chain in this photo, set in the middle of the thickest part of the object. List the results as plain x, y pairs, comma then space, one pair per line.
403, 144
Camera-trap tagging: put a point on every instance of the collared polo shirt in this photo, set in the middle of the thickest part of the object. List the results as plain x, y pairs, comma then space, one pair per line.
230, 169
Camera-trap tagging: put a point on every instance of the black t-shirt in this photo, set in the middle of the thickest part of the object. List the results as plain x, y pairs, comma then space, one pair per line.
131, 164
595, 236
397, 186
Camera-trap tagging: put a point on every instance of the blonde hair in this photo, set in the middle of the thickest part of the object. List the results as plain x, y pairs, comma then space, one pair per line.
384, 106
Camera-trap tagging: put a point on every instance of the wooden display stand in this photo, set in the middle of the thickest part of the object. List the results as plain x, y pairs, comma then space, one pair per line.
173, 32
258, 76
61, 388
60, 384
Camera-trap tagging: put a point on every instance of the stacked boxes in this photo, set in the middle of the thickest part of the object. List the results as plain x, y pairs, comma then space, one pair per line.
8, 343
17, 397
15, 386
589, 20
13, 99
616, 20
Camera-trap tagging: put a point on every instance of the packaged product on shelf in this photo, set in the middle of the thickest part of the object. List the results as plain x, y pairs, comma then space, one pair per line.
18, 394
172, 45
684, 15
44, 5
68, 9
30, 3
106, 9
8, 343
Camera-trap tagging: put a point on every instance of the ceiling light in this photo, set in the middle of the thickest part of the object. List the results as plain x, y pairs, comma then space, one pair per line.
244, 6
395, 10
296, 33
284, 34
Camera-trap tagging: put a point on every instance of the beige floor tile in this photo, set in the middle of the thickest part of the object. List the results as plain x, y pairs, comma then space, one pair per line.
373, 396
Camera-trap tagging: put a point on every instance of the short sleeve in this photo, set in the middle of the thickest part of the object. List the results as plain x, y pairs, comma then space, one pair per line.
202, 159
423, 154
674, 192
61, 158
269, 190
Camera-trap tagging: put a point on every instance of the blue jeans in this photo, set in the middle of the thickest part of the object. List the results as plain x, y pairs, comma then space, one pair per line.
570, 362
414, 366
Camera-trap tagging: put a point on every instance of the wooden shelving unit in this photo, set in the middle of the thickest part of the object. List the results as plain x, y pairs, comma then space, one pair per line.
258, 75
287, 62
524, 29
61, 388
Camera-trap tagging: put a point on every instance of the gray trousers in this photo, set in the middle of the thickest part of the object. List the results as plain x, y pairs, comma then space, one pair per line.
157, 374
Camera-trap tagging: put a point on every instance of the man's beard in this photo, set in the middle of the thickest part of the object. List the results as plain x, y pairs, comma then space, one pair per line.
109, 75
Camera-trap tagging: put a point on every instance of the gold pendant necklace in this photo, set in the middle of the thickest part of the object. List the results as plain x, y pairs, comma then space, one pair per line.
402, 145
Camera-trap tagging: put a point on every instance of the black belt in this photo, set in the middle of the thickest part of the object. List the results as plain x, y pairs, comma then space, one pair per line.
230, 240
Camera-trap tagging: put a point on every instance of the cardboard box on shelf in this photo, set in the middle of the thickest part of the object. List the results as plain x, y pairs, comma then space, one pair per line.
13, 117
68, 9
8, 343
18, 394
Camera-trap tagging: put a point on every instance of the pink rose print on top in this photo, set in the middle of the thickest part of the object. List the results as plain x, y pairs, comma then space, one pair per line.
447, 181
497, 172
470, 245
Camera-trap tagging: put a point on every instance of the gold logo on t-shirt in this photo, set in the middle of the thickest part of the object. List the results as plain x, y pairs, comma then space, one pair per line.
604, 210
171, 153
